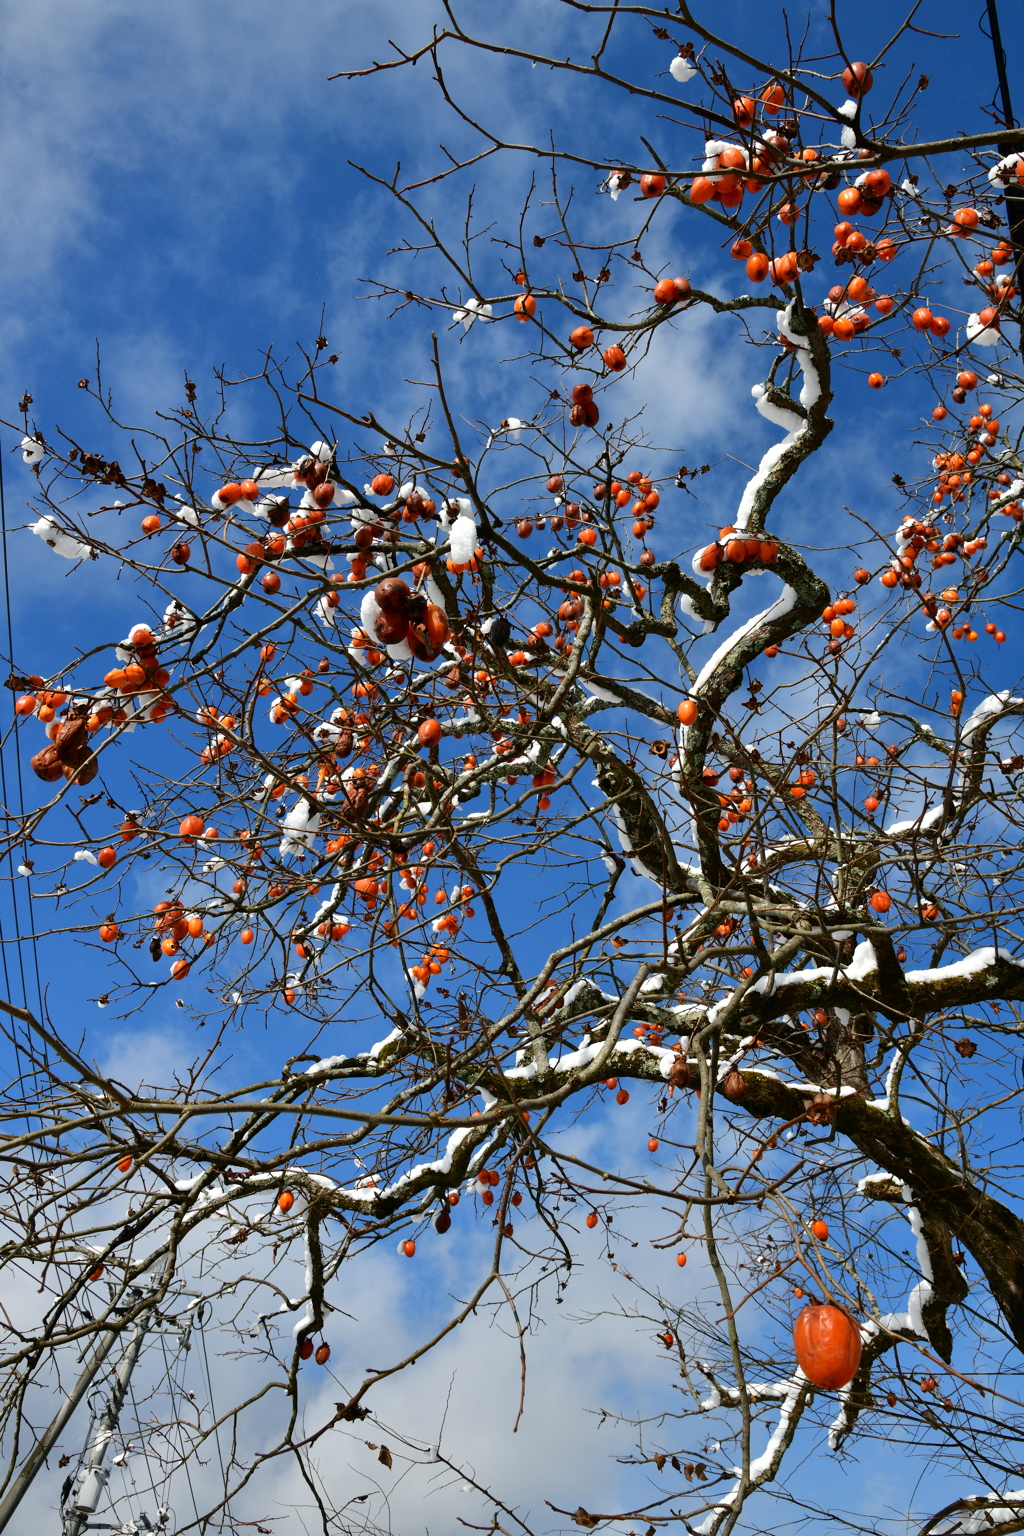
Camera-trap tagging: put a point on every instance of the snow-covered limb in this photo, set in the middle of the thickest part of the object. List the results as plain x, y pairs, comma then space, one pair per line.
989, 710
763, 1468
810, 395
877, 1337
729, 1397
983, 974
783, 604
979, 1514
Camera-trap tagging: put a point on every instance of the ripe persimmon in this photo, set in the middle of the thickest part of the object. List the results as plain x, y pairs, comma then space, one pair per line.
857, 80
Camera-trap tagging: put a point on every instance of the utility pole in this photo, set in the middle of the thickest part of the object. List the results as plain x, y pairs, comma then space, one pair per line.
1014, 190
48, 1439
93, 1477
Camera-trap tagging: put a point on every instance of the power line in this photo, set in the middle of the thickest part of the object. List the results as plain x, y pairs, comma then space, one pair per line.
18, 811
1014, 190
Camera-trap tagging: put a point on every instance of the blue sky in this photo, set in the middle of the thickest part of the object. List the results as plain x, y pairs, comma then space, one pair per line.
176, 188
175, 183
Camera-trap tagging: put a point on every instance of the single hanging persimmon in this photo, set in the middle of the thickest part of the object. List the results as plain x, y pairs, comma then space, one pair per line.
827, 1345
285, 1201
857, 80
881, 901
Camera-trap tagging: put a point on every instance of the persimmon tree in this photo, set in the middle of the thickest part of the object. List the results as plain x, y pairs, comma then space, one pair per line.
461, 735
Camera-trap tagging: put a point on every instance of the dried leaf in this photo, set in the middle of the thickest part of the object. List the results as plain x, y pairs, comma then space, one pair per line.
384, 1456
